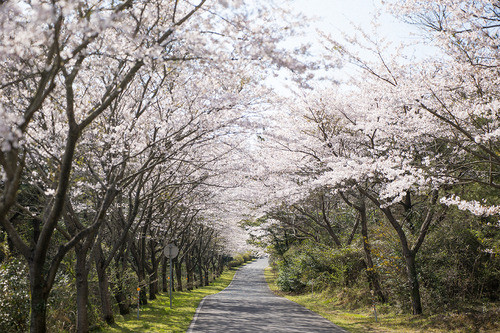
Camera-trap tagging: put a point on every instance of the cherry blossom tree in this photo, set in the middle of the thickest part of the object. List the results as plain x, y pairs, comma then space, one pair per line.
459, 88
408, 131
68, 70
358, 142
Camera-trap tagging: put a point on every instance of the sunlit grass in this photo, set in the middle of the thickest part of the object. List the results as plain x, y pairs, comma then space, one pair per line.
157, 317
363, 320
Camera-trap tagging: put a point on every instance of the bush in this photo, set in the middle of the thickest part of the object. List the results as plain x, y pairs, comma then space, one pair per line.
61, 307
290, 275
327, 267
247, 256
456, 266
239, 259
236, 261
14, 296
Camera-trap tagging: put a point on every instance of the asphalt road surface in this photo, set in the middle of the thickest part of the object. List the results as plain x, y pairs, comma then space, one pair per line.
248, 305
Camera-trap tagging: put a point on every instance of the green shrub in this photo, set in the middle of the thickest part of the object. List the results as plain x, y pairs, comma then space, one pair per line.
247, 256
456, 264
326, 267
61, 308
236, 261
14, 296
290, 275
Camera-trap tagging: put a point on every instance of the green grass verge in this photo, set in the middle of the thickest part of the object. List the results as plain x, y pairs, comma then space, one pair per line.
363, 320
157, 317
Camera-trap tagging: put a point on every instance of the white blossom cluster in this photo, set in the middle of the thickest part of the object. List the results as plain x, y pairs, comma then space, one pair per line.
10, 135
475, 207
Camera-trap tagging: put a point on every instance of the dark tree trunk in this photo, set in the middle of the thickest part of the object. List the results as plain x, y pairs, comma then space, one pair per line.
373, 277
143, 296
220, 269
164, 275
153, 272
178, 274
118, 289
121, 299
104, 294
409, 254
200, 271
190, 274
206, 277
152, 293
153, 284
199, 264
38, 313
411, 269
214, 268
82, 290
141, 266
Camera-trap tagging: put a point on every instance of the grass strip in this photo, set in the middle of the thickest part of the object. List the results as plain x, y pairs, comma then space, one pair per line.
157, 317
363, 319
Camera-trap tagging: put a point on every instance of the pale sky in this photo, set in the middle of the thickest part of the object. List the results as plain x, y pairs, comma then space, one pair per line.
336, 17
339, 15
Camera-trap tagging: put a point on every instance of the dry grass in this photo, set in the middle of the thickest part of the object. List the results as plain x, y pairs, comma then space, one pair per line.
363, 320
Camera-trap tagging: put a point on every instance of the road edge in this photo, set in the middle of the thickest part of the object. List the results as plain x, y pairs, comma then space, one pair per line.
198, 309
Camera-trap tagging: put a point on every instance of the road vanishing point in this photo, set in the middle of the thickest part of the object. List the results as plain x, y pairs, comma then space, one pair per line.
248, 305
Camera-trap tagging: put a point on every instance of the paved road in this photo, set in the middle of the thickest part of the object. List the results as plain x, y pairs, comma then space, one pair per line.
248, 305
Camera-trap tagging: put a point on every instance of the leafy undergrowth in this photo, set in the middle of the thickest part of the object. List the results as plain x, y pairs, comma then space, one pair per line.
363, 320
157, 317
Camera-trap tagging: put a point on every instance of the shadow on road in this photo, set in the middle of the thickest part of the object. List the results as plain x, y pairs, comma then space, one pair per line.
248, 305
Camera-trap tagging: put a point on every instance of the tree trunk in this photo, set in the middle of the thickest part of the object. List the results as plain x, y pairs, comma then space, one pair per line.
411, 269
164, 275
220, 270
121, 298
206, 277
106, 306
141, 266
118, 289
200, 273
153, 282
82, 291
152, 294
190, 274
199, 265
214, 268
105, 296
373, 277
38, 313
143, 296
153, 273
122, 301
178, 274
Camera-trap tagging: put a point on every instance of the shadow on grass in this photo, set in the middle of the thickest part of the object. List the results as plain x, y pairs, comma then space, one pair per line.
157, 316
467, 321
